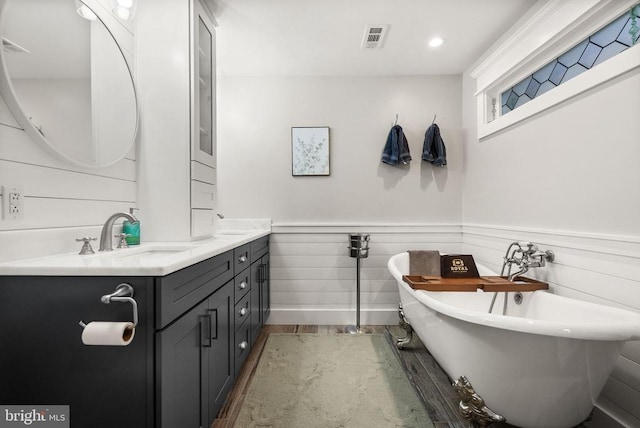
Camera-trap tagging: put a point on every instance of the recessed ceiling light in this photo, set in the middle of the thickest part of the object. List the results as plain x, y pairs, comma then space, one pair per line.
435, 42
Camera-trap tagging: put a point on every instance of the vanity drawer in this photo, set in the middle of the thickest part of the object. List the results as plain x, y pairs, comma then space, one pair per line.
259, 247
242, 285
242, 257
178, 292
242, 346
242, 310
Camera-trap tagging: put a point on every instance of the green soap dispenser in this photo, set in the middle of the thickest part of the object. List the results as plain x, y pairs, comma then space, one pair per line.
132, 230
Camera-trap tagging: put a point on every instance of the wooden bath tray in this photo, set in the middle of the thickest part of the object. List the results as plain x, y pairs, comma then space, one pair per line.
485, 283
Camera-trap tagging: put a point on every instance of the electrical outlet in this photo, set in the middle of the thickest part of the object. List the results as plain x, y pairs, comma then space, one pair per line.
12, 203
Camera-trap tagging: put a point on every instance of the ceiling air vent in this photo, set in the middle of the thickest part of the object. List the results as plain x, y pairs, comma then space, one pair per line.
374, 36
9, 46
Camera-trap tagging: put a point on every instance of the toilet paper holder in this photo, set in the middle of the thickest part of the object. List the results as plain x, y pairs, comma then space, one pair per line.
123, 293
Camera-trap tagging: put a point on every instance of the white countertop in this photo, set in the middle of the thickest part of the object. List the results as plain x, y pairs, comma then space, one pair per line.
146, 259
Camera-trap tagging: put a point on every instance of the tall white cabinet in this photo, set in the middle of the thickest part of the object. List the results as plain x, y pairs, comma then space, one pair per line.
203, 135
175, 41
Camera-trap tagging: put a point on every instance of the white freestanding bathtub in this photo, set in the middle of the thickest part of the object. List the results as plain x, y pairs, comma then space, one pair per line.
543, 364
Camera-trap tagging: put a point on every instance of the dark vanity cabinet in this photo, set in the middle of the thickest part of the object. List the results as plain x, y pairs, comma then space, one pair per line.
44, 362
242, 308
194, 363
251, 307
260, 290
196, 326
209, 316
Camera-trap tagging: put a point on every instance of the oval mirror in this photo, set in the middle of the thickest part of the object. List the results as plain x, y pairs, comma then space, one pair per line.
66, 80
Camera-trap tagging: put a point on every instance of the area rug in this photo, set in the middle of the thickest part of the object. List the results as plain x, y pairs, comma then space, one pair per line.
330, 381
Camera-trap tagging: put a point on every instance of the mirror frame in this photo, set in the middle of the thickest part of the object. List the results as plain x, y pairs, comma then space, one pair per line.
9, 95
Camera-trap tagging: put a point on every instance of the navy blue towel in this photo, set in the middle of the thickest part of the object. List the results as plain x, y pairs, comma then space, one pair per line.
396, 149
433, 149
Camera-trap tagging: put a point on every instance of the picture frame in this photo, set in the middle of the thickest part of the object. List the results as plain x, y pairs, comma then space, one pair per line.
310, 151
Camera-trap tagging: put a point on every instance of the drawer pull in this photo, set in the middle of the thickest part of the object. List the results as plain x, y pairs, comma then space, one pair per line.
242, 259
243, 345
205, 331
262, 273
213, 315
242, 312
242, 285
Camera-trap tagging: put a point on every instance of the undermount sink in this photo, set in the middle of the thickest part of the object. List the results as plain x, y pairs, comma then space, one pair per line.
230, 233
150, 252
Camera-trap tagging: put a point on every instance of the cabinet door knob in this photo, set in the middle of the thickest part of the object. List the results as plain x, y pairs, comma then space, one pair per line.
242, 259
243, 312
243, 345
242, 285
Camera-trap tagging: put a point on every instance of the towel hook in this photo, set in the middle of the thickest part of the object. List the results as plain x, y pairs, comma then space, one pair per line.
396, 122
434, 119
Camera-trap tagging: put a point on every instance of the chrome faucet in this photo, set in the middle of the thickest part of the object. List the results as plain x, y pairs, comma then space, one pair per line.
105, 235
525, 255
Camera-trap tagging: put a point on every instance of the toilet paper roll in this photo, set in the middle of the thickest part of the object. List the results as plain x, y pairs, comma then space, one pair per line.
108, 333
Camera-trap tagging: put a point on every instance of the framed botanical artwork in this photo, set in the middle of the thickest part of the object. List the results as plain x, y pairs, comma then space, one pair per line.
310, 150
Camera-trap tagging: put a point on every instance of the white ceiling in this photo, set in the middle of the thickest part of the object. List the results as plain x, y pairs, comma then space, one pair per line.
324, 37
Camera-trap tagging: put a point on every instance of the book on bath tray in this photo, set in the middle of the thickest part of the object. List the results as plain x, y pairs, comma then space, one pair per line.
431, 263
458, 266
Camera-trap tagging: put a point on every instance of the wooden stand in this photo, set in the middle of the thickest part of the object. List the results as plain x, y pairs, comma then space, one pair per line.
485, 283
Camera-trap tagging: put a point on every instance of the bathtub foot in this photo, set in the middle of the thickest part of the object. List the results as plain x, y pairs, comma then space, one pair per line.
472, 405
402, 341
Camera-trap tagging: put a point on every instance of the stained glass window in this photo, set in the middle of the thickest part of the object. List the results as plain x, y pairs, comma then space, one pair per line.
614, 38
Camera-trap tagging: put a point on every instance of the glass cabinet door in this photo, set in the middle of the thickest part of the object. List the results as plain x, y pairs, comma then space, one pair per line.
204, 144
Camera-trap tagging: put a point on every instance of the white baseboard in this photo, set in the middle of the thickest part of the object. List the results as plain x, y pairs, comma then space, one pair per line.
332, 317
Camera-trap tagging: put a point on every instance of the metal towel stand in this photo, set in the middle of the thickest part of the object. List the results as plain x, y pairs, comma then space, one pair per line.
359, 249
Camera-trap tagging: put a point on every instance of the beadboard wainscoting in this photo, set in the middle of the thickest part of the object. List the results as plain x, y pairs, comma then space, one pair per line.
598, 268
313, 279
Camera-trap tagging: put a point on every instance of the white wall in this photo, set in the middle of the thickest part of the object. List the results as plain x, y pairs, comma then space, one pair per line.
418, 206
567, 179
255, 119
571, 168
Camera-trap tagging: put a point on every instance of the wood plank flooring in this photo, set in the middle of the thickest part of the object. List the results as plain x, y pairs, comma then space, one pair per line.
430, 382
